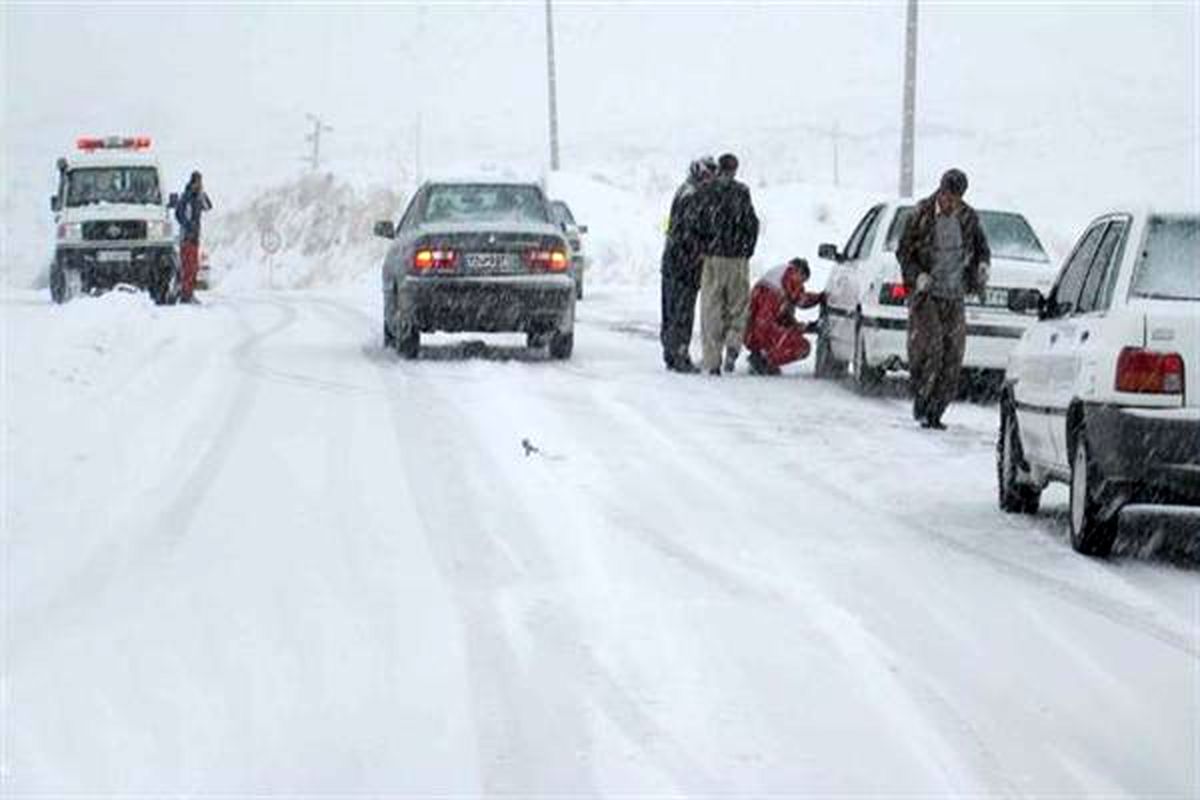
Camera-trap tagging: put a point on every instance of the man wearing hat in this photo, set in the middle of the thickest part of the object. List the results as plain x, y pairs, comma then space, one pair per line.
192, 203
943, 256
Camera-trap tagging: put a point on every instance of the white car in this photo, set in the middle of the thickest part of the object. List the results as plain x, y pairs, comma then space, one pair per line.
561, 213
112, 224
1103, 391
865, 318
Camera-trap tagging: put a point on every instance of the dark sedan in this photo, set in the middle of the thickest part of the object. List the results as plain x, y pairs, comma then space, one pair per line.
478, 256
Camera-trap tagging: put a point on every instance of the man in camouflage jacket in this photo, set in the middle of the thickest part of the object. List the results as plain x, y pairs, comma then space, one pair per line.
944, 256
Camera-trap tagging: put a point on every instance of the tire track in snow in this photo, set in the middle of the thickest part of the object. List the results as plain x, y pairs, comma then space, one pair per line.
160, 533
1130, 617
554, 626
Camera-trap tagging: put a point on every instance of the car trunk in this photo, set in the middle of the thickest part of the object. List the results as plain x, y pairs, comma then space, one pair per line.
484, 250
1008, 274
1174, 327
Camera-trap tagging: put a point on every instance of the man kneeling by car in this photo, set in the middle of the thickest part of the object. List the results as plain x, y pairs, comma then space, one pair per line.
774, 337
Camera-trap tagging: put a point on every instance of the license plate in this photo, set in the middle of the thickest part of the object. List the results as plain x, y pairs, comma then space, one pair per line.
487, 260
996, 297
113, 255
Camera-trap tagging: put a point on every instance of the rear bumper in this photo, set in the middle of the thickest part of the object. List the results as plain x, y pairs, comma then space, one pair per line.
489, 305
136, 265
989, 341
1153, 454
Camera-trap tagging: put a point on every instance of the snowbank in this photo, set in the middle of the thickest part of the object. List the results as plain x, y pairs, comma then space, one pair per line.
321, 225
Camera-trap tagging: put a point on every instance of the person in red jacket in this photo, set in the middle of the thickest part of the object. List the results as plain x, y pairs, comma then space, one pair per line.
774, 336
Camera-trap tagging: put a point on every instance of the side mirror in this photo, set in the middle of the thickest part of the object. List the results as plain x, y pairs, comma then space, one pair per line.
385, 229
1023, 301
829, 252
55, 205
582, 228
173, 200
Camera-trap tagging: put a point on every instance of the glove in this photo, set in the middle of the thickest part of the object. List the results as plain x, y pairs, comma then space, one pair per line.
924, 281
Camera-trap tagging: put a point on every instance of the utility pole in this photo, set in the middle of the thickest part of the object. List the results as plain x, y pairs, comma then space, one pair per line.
319, 127
908, 121
836, 134
553, 88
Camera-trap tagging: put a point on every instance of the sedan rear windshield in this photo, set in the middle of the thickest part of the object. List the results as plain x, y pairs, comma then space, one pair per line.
1168, 267
485, 203
138, 185
1009, 235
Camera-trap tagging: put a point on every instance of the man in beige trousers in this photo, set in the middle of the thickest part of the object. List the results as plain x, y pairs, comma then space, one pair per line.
728, 234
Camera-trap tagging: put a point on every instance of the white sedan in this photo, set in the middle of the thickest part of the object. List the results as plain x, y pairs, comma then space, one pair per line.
865, 318
1103, 391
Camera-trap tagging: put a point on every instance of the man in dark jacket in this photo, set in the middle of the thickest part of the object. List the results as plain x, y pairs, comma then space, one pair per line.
192, 203
681, 267
943, 256
728, 233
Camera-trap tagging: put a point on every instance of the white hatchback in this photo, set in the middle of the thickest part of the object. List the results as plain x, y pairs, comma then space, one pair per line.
1103, 391
865, 318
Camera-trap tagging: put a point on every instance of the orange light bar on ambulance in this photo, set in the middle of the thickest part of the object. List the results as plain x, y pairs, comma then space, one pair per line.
90, 143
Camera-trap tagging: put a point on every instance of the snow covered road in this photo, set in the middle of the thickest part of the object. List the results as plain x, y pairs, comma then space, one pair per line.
247, 550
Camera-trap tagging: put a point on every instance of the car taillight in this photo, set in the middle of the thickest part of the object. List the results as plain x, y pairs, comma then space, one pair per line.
1148, 372
427, 259
893, 294
550, 260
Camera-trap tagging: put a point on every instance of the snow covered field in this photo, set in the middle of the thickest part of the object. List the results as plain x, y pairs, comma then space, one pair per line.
247, 550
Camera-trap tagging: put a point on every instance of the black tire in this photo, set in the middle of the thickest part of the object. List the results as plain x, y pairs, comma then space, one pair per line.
535, 340
866, 377
1015, 497
58, 285
162, 287
1091, 534
388, 339
561, 345
408, 343
824, 364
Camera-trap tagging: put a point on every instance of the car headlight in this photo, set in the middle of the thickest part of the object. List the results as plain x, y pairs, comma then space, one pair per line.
158, 229
70, 232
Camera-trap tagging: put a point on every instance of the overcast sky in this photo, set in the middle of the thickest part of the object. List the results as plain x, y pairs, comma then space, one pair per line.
227, 87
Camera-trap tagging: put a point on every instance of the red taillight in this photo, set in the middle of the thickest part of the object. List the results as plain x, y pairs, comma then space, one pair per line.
427, 259
893, 294
551, 260
1147, 372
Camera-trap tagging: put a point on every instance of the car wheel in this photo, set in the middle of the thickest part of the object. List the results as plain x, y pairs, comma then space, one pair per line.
162, 287
1090, 534
1015, 497
866, 377
408, 343
58, 284
825, 365
561, 345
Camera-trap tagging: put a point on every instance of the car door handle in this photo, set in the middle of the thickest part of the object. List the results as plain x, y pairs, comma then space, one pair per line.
1053, 338
1083, 337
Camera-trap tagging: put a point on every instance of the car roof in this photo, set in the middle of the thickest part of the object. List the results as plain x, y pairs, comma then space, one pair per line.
111, 158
